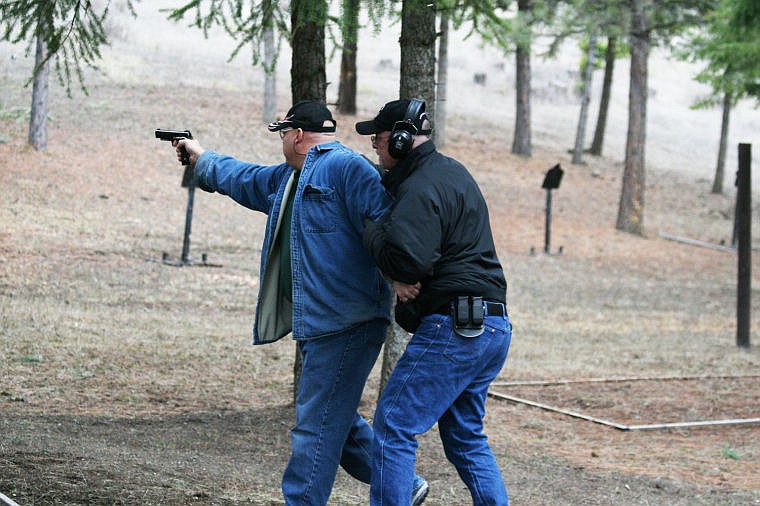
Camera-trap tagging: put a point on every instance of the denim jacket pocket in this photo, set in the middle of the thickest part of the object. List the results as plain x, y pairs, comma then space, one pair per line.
323, 193
320, 209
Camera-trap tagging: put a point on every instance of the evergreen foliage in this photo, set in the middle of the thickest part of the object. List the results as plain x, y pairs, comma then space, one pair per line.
73, 30
245, 21
730, 47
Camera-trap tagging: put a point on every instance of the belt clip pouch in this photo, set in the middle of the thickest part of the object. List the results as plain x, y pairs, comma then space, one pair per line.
468, 316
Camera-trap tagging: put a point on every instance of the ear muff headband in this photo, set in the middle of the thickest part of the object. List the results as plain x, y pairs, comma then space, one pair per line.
401, 139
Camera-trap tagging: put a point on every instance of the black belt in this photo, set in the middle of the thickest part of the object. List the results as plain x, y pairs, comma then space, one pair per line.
492, 308
495, 308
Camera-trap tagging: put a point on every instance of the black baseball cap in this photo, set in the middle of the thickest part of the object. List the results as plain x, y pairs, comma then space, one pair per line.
307, 115
390, 114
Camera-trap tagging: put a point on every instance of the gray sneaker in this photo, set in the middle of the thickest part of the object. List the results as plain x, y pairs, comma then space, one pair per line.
420, 491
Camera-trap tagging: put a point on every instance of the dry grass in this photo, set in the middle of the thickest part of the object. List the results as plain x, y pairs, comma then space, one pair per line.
92, 325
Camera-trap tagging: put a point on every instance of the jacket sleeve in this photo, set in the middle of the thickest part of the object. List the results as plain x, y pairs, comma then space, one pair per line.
248, 184
365, 196
406, 243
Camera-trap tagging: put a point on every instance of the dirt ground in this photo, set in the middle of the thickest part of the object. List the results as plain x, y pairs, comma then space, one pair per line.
127, 381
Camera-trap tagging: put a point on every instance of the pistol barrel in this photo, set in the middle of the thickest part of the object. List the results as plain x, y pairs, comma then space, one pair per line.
170, 135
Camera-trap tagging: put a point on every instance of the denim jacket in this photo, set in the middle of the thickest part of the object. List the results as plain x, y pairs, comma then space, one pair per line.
336, 284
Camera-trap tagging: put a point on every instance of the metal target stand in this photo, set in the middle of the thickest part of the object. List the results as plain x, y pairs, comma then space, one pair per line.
551, 182
188, 181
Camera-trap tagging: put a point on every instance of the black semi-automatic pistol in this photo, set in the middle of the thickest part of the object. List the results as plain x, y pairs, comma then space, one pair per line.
175, 135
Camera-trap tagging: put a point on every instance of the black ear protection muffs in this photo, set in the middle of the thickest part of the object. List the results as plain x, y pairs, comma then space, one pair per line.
401, 139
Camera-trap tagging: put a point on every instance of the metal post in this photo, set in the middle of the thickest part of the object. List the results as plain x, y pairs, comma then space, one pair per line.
744, 248
734, 232
188, 220
547, 233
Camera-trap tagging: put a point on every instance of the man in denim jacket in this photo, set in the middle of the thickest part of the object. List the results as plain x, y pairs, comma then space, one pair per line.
318, 282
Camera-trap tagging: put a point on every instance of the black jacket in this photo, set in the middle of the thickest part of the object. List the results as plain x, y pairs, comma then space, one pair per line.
438, 232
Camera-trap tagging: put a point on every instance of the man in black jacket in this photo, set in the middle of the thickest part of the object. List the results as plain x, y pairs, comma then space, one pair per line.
437, 247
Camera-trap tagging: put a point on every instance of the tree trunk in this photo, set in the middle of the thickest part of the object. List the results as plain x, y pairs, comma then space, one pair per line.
347, 87
439, 134
40, 96
588, 74
521, 144
604, 103
297, 367
417, 81
308, 80
270, 76
720, 169
396, 340
418, 52
631, 211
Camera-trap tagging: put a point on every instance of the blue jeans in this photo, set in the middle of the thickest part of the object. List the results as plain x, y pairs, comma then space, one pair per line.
443, 378
328, 430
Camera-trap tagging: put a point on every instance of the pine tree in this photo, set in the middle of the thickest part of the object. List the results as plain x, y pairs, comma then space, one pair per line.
651, 21
68, 33
258, 25
729, 46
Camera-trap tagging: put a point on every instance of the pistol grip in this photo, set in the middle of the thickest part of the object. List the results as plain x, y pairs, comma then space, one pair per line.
184, 156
